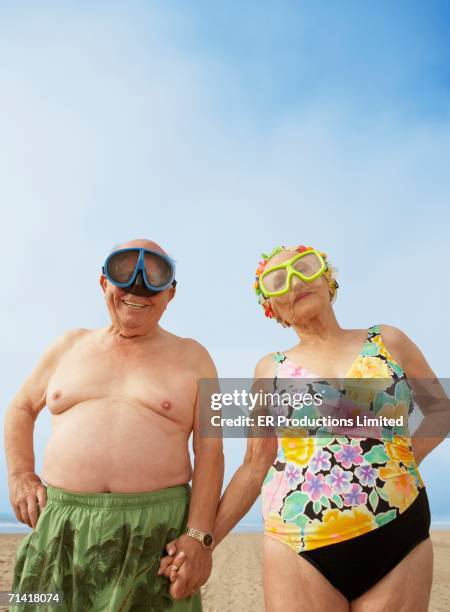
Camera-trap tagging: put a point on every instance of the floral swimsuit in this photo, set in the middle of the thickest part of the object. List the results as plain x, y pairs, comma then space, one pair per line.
326, 490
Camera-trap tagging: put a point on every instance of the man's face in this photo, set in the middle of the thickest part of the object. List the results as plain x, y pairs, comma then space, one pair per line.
135, 314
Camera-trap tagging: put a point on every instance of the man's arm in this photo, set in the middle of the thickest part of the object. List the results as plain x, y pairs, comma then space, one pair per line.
245, 486
208, 471
207, 483
26, 492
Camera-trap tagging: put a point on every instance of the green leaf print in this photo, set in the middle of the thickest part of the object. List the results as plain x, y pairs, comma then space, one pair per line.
370, 349
323, 441
335, 448
395, 367
44, 565
146, 600
294, 505
403, 392
376, 454
118, 572
385, 517
25, 547
309, 412
337, 500
325, 501
317, 507
380, 400
80, 587
382, 494
301, 521
374, 499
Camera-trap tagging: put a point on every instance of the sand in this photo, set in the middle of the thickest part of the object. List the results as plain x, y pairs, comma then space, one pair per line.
236, 582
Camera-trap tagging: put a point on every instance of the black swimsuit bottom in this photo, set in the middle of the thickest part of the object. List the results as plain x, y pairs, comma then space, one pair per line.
354, 566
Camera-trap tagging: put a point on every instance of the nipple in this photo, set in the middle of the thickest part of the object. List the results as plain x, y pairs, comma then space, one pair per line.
166, 405
56, 395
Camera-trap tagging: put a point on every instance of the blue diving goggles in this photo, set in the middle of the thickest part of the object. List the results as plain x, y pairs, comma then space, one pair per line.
140, 271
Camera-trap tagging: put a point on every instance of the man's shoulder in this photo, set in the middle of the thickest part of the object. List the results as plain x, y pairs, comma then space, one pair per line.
187, 345
192, 352
69, 338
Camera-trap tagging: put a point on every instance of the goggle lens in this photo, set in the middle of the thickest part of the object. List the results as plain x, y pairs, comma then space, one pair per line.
308, 265
157, 269
276, 280
121, 266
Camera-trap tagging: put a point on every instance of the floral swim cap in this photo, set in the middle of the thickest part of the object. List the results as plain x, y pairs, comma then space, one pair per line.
330, 275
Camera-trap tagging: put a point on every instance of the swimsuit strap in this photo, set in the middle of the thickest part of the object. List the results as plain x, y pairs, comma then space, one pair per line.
375, 337
278, 358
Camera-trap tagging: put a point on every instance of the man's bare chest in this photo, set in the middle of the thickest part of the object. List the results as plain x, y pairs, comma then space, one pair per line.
155, 380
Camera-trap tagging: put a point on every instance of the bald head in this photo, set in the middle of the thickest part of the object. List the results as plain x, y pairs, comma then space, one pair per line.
140, 243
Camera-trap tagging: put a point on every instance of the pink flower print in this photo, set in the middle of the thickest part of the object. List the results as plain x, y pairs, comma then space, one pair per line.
316, 486
293, 475
366, 475
320, 461
349, 454
288, 369
355, 497
339, 479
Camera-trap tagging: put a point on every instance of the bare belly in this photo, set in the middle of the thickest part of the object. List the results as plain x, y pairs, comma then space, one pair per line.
113, 446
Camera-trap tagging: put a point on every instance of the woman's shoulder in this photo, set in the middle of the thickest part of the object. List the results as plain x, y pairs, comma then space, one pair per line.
392, 335
406, 352
265, 367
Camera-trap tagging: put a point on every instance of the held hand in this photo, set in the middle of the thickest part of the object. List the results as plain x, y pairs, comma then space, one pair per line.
169, 564
28, 497
196, 567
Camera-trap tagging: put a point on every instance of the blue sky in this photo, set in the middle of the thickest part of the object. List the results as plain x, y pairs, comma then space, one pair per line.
220, 130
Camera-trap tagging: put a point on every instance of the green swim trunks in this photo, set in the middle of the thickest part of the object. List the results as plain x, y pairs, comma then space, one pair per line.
102, 551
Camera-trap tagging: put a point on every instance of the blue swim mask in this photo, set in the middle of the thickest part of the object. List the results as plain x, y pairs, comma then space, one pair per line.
140, 271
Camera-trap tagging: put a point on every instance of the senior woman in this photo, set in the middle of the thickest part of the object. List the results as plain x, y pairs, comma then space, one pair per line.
346, 521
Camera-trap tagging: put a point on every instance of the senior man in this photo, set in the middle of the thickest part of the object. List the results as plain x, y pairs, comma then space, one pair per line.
115, 479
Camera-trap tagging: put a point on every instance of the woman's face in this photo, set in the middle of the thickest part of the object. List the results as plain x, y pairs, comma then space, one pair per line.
303, 300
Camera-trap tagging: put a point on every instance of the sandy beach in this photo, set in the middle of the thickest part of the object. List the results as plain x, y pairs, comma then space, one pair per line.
236, 583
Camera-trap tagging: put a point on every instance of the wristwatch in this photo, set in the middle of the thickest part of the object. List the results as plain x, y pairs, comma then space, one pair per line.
207, 539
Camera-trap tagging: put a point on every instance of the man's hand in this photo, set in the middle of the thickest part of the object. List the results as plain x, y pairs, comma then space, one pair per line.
197, 566
28, 497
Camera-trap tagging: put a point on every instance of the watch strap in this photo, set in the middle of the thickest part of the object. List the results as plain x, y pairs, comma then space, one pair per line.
199, 535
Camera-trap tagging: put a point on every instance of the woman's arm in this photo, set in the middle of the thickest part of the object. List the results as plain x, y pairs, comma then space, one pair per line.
429, 393
245, 486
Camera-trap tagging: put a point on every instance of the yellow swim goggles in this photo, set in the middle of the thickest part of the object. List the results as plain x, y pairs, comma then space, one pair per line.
307, 266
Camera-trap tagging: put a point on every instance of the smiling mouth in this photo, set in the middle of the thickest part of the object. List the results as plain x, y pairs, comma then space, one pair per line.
134, 304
